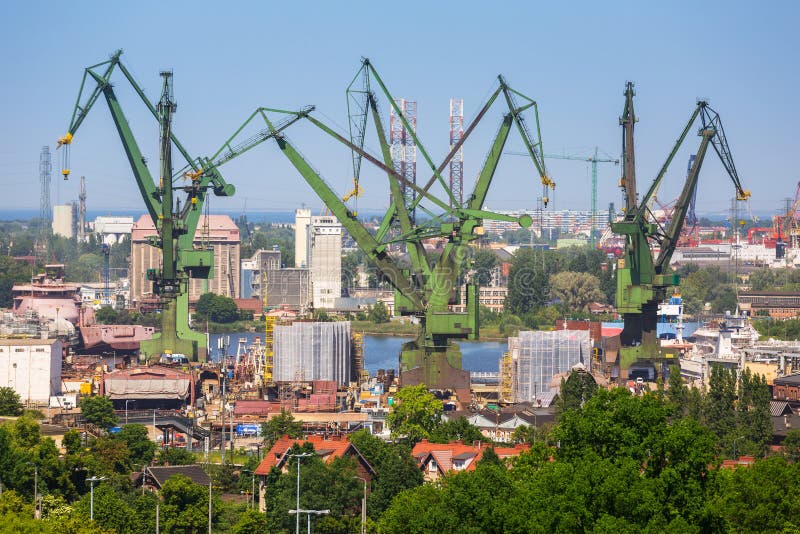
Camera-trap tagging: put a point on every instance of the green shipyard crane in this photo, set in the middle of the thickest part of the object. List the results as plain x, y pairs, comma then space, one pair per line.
176, 219
425, 286
642, 280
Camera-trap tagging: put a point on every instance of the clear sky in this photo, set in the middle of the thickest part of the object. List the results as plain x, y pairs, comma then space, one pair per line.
572, 57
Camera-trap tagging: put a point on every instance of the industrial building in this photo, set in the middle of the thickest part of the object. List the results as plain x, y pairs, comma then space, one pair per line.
64, 220
318, 246
306, 351
111, 230
217, 232
288, 288
32, 368
538, 356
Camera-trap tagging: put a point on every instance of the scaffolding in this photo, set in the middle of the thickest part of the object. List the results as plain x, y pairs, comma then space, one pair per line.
313, 351
540, 356
358, 358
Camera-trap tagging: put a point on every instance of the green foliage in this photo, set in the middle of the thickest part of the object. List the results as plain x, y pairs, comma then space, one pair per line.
11, 272
578, 388
106, 315
720, 404
217, 308
142, 449
378, 313
322, 487
786, 329
10, 403
458, 429
175, 456
791, 445
185, 505
396, 470
99, 411
483, 263
110, 509
278, 425
575, 290
266, 237
250, 522
415, 415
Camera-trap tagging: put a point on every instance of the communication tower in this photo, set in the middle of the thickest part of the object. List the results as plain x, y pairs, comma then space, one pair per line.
404, 148
45, 208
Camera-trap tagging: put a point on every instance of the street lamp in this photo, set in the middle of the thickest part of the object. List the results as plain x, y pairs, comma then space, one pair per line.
735, 457
299, 457
252, 483
91, 482
363, 506
308, 514
126, 408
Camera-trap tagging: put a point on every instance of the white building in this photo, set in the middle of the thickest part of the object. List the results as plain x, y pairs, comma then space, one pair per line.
64, 220
325, 261
111, 230
32, 368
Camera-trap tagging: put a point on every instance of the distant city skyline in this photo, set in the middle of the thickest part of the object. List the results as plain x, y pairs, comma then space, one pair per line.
574, 60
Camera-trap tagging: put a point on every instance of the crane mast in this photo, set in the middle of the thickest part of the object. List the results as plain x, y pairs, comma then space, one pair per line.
175, 221
643, 281
426, 288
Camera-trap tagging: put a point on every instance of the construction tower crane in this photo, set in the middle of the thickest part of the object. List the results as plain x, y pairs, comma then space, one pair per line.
427, 287
175, 219
643, 281
594, 160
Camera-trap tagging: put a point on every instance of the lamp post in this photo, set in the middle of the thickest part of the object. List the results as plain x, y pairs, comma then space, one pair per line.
126, 408
308, 515
299, 457
735, 456
363, 506
91, 482
252, 484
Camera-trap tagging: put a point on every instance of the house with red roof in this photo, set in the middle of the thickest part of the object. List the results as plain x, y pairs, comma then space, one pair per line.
436, 459
327, 449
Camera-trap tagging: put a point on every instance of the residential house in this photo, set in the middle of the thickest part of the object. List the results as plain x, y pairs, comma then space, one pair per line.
499, 426
326, 448
436, 459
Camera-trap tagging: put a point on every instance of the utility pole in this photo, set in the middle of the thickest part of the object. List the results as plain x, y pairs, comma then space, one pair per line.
297, 510
209, 508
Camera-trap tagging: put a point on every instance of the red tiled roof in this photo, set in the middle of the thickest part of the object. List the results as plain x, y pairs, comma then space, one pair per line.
328, 449
444, 453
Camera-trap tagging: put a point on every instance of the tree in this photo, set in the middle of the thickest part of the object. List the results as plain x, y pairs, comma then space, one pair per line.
250, 522
141, 448
279, 425
174, 456
416, 413
185, 507
791, 445
106, 315
396, 470
527, 282
457, 429
378, 313
484, 263
99, 411
217, 308
578, 388
11, 272
720, 404
10, 403
575, 290
677, 393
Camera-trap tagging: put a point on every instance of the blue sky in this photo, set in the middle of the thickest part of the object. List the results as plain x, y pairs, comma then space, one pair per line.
573, 58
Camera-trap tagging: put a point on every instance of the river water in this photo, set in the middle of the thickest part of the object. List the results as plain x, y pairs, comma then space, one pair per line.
382, 352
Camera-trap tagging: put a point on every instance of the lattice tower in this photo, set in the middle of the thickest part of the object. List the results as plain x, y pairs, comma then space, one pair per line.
457, 163
403, 148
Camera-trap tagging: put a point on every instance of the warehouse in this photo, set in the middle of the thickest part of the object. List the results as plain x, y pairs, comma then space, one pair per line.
32, 367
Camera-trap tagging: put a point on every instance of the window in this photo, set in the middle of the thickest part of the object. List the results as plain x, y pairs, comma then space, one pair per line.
432, 465
19, 350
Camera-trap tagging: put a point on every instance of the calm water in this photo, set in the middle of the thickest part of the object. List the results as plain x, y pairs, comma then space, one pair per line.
382, 352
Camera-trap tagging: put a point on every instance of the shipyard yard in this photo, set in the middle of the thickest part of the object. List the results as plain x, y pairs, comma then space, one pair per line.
378, 284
